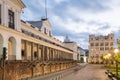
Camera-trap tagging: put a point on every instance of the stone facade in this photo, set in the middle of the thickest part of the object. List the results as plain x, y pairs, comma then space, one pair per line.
99, 45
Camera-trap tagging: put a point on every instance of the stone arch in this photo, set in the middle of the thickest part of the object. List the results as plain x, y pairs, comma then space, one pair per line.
1, 45
11, 48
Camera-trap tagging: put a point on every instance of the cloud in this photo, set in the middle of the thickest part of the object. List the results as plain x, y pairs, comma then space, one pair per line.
77, 18
60, 1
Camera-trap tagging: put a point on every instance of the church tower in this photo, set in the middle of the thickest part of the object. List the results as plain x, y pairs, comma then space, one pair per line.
66, 40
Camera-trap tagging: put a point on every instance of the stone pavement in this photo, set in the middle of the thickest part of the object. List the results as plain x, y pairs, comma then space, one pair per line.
90, 72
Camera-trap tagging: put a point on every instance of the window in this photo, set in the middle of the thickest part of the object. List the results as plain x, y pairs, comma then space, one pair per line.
45, 30
106, 48
106, 37
111, 48
92, 44
101, 44
11, 19
106, 44
111, 37
91, 38
0, 15
97, 38
97, 44
102, 49
111, 44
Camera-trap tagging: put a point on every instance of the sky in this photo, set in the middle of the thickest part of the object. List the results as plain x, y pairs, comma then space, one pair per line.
76, 18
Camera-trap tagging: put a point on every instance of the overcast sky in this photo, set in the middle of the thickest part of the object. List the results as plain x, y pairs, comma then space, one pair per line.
77, 18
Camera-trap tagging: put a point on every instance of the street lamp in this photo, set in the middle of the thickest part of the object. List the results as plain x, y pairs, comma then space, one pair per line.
109, 55
116, 52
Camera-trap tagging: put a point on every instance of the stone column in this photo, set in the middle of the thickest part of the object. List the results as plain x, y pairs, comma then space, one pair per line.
38, 52
17, 20
4, 14
45, 54
26, 43
32, 52
42, 54
53, 54
50, 54
56, 54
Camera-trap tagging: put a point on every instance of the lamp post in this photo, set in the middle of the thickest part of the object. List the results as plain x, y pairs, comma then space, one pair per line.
3, 63
109, 55
116, 52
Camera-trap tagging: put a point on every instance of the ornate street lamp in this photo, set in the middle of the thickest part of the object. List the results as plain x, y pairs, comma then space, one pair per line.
116, 52
109, 54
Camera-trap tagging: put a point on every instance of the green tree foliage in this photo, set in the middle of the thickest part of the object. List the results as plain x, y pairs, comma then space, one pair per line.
117, 57
81, 59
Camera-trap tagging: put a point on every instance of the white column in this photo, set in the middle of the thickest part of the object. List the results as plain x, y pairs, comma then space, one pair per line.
18, 48
2, 13
17, 20
5, 14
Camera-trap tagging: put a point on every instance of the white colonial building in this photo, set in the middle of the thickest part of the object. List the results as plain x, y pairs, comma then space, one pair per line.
24, 39
30, 45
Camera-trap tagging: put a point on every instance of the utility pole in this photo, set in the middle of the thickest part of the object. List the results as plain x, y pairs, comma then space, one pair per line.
46, 9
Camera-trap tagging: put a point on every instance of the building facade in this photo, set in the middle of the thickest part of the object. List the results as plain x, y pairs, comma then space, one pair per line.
72, 46
82, 55
99, 45
31, 48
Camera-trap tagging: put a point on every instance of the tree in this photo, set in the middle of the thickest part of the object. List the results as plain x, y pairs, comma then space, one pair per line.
81, 59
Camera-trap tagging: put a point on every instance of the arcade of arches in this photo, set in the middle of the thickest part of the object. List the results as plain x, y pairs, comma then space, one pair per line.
36, 60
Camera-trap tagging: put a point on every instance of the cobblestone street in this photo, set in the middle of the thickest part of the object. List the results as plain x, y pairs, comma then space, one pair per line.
90, 72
